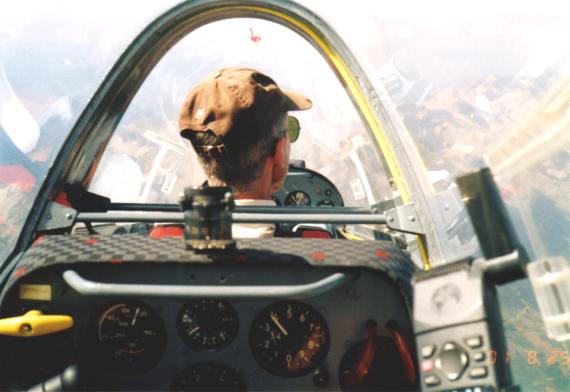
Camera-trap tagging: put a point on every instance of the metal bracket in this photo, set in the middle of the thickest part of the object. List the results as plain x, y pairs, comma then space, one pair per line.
404, 219
57, 216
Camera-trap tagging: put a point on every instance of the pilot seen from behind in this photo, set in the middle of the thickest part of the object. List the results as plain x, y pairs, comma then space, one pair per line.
237, 122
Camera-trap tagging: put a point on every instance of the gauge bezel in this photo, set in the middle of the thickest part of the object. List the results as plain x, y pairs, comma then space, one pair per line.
196, 346
265, 314
290, 194
129, 364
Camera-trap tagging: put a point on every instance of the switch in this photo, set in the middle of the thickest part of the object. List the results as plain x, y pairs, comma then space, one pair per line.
432, 380
428, 351
480, 356
427, 365
478, 372
474, 341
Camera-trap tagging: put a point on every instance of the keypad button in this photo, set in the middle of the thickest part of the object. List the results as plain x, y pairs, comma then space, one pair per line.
432, 380
474, 341
480, 356
428, 351
478, 372
427, 365
452, 361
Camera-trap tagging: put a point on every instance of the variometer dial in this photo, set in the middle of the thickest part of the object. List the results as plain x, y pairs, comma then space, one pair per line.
289, 339
207, 324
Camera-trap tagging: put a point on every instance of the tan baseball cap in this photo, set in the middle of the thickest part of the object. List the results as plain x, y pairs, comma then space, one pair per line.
238, 106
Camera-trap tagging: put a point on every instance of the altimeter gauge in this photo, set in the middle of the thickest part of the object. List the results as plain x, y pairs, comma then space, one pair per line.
289, 338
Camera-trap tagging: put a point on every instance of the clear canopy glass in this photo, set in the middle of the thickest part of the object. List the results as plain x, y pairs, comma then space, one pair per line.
53, 55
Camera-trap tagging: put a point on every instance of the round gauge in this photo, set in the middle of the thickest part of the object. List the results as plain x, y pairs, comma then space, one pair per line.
297, 198
326, 203
289, 339
208, 376
207, 324
131, 337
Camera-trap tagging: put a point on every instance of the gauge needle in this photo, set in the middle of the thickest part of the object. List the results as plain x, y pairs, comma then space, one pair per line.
135, 317
193, 330
276, 321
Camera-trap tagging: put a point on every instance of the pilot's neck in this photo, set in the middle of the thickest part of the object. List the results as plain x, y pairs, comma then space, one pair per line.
257, 191
260, 189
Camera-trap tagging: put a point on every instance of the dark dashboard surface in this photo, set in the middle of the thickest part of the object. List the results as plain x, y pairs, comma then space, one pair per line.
124, 340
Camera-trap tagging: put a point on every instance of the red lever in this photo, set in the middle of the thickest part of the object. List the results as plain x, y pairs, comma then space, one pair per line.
404, 351
368, 355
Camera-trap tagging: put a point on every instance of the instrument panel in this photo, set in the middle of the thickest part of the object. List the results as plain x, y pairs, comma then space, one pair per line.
307, 188
207, 324
220, 344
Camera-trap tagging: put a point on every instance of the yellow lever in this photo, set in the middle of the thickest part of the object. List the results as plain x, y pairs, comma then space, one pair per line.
34, 323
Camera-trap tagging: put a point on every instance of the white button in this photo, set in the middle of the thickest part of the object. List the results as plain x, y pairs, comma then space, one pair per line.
432, 380
464, 359
480, 356
428, 351
479, 372
474, 342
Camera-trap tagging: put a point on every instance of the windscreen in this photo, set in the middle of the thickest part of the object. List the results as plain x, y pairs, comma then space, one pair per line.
147, 161
476, 85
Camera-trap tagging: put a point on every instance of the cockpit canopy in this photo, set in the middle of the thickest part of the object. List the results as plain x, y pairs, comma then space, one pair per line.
406, 98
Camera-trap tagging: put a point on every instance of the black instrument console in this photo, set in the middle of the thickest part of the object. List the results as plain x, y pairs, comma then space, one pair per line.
278, 314
307, 188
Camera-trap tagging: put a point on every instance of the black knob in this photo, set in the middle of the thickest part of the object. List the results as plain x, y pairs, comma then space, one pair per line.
321, 378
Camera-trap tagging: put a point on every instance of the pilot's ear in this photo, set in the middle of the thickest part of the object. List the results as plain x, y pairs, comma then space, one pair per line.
281, 154
280, 163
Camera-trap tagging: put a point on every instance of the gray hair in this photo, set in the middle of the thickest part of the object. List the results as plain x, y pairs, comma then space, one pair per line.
241, 168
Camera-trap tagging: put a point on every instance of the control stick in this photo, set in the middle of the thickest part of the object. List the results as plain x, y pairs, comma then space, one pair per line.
68, 380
